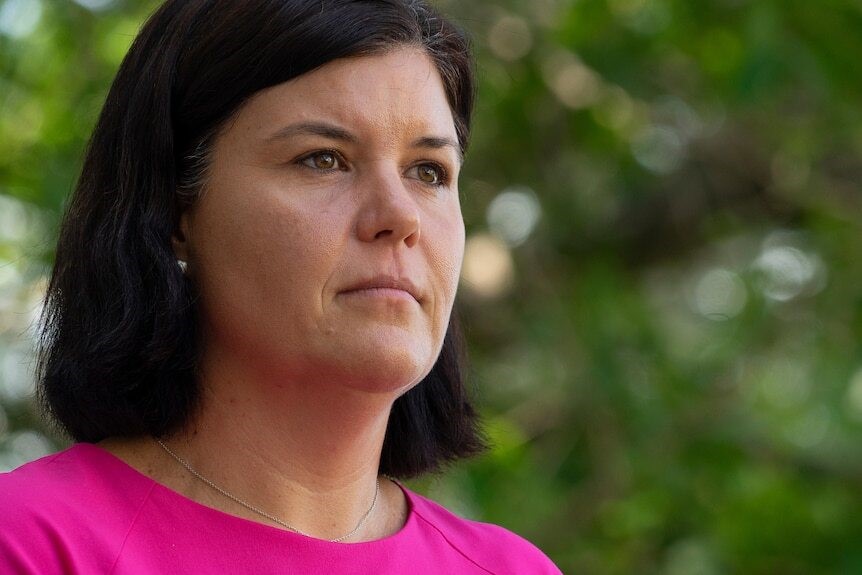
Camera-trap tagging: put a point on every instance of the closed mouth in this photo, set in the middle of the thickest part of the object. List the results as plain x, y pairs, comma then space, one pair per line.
386, 283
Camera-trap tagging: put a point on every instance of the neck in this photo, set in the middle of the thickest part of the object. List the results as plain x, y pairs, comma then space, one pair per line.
306, 452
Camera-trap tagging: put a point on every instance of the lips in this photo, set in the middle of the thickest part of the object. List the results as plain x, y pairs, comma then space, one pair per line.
386, 282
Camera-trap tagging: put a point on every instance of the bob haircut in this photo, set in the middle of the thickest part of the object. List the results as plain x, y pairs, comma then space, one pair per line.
120, 341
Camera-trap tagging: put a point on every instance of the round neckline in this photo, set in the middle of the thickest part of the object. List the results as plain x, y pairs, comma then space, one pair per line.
409, 524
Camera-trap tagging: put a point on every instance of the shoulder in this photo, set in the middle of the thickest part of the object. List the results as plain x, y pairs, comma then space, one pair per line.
77, 502
490, 546
45, 486
65, 482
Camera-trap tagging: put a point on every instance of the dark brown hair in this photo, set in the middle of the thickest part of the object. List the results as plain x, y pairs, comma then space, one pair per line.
120, 339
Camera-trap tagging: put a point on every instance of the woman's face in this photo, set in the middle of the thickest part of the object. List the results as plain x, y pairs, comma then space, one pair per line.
328, 240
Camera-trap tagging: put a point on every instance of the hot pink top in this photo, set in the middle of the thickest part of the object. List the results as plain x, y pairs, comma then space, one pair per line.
85, 511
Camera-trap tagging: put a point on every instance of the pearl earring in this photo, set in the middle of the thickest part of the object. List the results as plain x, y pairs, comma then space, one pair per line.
184, 265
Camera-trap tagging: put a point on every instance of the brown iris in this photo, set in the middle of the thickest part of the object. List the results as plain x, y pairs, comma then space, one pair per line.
324, 161
429, 174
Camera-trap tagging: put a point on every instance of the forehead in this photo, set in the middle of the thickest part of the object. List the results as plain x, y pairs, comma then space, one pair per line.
393, 92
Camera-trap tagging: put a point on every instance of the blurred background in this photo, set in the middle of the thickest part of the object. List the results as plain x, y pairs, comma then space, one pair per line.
662, 287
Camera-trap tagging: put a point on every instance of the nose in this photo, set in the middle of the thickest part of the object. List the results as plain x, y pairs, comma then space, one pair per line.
388, 212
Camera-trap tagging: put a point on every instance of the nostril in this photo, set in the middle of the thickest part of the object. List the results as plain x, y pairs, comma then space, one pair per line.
382, 234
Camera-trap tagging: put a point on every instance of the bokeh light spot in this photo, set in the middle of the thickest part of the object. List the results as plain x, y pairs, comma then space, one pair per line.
811, 429
720, 294
19, 18
617, 111
853, 397
510, 38
488, 268
658, 149
513, 214
690, 557
572, 82
786, 272
16, 381
14, 220
96, 5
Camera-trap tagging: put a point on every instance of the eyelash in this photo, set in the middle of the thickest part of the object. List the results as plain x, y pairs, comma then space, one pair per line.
443, 173
340, 160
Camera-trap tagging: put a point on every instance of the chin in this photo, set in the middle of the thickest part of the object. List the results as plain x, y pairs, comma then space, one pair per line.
384, 366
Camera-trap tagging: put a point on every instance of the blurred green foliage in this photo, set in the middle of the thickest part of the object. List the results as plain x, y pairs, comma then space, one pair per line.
661, 286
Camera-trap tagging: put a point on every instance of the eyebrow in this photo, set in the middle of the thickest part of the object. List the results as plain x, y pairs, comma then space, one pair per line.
323, 129
437, 143
333, 132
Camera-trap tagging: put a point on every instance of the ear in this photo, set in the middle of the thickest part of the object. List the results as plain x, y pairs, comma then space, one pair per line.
180, 239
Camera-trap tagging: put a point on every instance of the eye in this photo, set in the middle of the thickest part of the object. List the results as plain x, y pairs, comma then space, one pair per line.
431, 174
324, 160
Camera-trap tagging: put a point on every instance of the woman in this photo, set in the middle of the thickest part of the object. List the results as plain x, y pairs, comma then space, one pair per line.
248, 325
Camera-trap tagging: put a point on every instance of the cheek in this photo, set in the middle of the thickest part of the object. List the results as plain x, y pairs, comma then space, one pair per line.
263, 264
446, 257
452, 249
